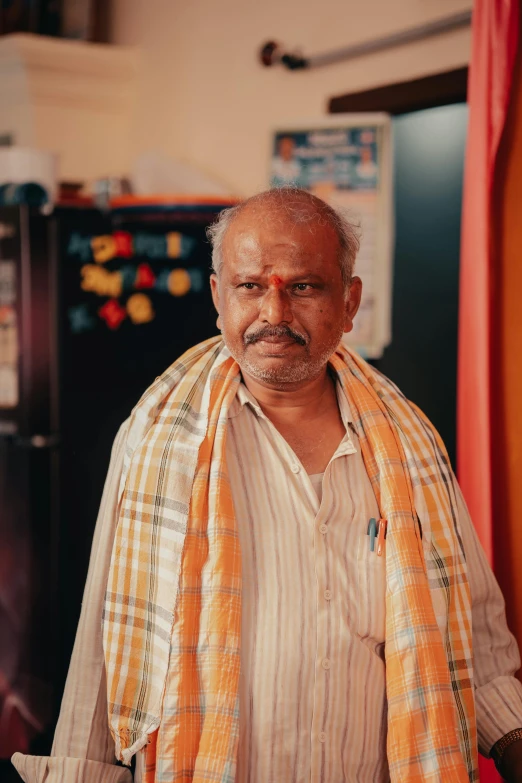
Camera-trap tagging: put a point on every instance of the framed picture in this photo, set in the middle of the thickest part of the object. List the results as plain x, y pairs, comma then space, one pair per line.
346, 161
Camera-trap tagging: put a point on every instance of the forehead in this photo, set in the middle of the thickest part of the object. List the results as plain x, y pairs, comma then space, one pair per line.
265, 235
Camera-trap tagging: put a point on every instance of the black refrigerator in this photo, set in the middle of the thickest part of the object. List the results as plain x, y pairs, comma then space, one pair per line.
93, 307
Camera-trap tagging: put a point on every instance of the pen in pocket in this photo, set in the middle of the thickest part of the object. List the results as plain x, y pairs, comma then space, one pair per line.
377, 530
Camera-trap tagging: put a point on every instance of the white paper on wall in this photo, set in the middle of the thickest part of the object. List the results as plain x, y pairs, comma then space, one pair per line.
345, 159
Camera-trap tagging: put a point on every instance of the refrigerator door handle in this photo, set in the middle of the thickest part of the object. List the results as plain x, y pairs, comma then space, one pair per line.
39, 441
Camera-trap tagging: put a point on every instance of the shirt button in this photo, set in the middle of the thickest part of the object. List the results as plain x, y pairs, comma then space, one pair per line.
323, 529
326, 663
322, 737
295, 468
327, 594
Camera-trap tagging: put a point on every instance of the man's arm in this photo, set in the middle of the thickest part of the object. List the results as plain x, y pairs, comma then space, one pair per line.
498, 694
83, 749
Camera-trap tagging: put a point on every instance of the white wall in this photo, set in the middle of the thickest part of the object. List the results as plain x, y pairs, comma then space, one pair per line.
205, 99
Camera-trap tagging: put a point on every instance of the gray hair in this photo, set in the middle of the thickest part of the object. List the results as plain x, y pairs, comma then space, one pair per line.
301, 207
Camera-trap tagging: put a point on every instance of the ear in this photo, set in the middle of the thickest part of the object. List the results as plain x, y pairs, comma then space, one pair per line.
352, 303
214, 287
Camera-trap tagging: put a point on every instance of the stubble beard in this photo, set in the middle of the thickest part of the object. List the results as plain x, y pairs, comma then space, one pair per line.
292, 371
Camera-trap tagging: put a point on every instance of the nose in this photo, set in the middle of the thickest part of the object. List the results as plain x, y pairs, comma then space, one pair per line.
275, 307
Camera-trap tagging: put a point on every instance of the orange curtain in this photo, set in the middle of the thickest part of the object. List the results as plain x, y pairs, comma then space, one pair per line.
507, 361
494, 47
495, 37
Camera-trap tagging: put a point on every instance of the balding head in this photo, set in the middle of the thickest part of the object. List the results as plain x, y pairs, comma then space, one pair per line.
293, 206
285, 292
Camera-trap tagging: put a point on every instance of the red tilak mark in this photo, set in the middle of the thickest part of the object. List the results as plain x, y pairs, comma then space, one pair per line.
275, 280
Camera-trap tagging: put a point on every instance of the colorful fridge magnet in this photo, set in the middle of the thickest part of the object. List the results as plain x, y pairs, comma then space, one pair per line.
140, 310
112, 313
179, 282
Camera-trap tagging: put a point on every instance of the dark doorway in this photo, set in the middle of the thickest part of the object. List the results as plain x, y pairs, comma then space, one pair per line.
422, 358
428, 160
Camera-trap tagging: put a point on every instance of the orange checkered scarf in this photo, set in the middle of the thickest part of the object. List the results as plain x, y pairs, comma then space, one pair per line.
164, 633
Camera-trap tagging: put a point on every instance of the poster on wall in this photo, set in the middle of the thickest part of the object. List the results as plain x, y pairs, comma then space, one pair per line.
346, 160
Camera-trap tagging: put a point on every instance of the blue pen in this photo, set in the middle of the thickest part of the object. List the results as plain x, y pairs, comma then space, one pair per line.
372, 532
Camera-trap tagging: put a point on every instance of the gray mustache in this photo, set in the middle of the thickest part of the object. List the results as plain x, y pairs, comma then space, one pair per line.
274, 331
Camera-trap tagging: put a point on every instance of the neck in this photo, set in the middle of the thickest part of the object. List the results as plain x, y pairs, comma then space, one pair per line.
294, 400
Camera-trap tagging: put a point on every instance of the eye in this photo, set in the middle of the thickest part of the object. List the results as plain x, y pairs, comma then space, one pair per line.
248, 286
302, 287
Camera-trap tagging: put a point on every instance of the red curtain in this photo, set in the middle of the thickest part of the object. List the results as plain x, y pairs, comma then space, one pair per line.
494, 46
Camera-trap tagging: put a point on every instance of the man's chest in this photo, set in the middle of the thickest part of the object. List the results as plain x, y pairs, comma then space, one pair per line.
314, 444
313, 614
297, 549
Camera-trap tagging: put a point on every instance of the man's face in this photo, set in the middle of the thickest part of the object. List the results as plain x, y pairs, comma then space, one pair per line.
286, 148
280, 296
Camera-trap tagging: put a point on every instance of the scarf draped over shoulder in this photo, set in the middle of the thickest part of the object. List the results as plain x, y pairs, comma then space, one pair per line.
176, 514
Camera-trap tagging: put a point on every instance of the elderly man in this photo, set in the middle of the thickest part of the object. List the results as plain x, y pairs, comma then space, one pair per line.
284, 576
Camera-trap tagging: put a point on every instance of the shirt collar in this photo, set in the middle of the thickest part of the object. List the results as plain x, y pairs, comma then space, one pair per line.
244, 397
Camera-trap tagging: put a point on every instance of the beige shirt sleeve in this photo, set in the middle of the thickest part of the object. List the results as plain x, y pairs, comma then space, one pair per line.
498, 694
83, 749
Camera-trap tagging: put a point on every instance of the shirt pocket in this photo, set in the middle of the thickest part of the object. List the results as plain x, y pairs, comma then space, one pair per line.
371, 590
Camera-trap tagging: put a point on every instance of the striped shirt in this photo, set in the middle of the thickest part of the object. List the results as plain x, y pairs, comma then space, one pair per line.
312, 685
312, 689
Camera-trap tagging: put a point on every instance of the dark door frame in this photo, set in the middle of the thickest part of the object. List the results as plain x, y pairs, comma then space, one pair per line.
404, 98
439, 89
